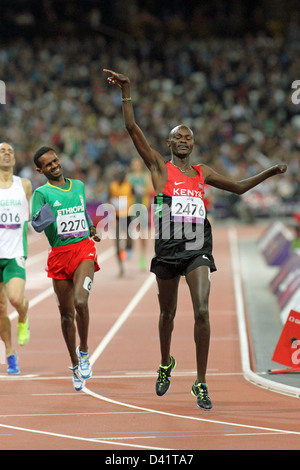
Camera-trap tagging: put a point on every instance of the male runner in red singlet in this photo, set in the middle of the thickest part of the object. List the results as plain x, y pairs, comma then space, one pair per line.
183, 244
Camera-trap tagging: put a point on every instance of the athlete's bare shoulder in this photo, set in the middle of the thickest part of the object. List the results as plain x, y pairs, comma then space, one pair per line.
206, 170
27, 186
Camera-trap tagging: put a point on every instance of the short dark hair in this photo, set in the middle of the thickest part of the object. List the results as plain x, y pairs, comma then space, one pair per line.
41, 152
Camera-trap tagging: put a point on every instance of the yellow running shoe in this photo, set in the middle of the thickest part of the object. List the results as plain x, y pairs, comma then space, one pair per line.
23, 332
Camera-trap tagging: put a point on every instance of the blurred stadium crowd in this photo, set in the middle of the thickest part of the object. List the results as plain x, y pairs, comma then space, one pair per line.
233, 90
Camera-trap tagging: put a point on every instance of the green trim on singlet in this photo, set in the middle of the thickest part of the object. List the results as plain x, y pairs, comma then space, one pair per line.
25, 242
159, 200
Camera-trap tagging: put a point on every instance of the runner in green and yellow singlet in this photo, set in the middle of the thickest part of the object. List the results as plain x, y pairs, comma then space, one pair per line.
59, 209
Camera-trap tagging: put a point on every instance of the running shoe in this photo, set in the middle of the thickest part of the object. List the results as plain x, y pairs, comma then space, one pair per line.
123, 255
23, 332
13, 365
77, 379
164, 376
84, 364
201, 393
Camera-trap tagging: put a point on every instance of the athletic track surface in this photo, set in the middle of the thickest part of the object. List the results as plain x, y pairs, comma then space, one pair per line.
119, 410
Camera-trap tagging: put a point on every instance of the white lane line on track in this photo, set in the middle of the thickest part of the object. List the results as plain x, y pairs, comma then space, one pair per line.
190, 418
126, 375
122, 318
46, 293
243, 333
77, 438
105, 255
86, 413
134, 375
36, 300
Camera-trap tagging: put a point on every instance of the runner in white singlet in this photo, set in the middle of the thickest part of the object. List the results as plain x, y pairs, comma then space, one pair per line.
15, 194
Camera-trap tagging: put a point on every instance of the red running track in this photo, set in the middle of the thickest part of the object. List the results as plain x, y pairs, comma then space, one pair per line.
119, 409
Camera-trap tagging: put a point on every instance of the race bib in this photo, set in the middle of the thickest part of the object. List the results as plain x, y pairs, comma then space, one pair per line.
10, 218
72, 226
188, 209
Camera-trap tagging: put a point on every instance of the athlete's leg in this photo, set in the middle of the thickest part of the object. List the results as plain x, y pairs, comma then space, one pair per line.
15, 293
5, 326
64, 290
83, 280
198, 281
128, 237
167, 297
120, 253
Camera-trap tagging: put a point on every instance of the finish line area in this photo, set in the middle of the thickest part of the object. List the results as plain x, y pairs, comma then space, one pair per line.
118, 410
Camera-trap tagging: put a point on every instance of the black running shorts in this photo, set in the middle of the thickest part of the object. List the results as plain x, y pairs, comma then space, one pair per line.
168, 270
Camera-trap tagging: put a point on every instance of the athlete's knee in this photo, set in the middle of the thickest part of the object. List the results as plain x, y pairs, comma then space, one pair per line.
81, 304
67, 317
168, 314
16, 300
202, 314
3, 307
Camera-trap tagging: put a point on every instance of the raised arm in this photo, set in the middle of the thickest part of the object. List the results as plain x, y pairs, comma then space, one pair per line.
153, 160
239, 187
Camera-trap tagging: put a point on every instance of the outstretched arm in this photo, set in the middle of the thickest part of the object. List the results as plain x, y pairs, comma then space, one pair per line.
153, 160
240, 187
